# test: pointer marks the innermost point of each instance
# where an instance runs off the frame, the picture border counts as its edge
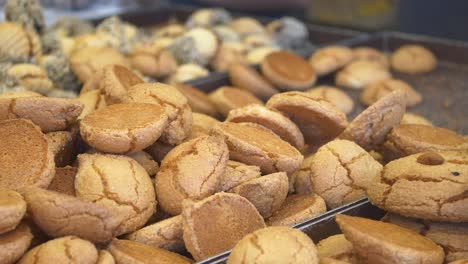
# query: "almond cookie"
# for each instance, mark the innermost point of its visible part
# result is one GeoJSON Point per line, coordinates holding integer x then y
{"type": "Point", "coordinates": [91, 101]}
{"type": "Point", "coordinates": [288, 71]}
{"type": "Point", "coordinates": [24, 162]}
{"type": "Point", "coordinates": [62, 145]}
{"type": "Point", "coordinates": [175, 105]}
{"type": "Point", "coordinates": [16, 45]}
{"type": "Point", "coordinates": [115, 129]}
{"type": "Point", "coordinates": [166, 234]}
{"type": "Point", "coordinates": [153, 61]}
{"type": "Point", "coordinates": [12, 209]}
{"type": "Point", "coordinates": [273, 120]}
{"type": "Point", "coordinates": [62, 215]}
{"type": "Point", "coordinates": [64, 180]}
{"type": "Point", "coordinates": [201, 126]}
{"type": "Point", "coordinates": [198, 100]}
{"type": "Point", "coordinates": [372, 125]}
{"type": "Point", "coordinates": [413, 59]}
{"type": "Point", "coordinates": [338, 248]}
{"type": "Point", "coordinates": [120, 184]}
{"type": "Point", "coordinates": [14, 244]}
{"type": "Point", "coordinates": [146, 161]}
{"type": "Point", "coordinates": [31, 77]}
{"type": "Point", "coordinates": [237, 173]}
{"type": "Point", "coordinates": [379, 242]}
{"type": "Point", "coordinates": [275, 245]}
{"type": "Point", "coordinates": [247, 78]}
{"type": "Point", "coordinates": [335, 96]}
{"type": "Point", "coordinates": [359, 74]}
{"type": "Point", "coordinates": [266, 193]}
{"type": "Point", "coordinates": [330, 59]}
{"type": "Point", "coordinates": [115, 82]}
{"type": "Point", "coordinates": [215, 224]}
{"type": "Point", "coordinates": [226, 98]}
{"type": "Point", "coordinates": [340, 172]}
{"type": "Point", "coordinates": [296, 209]}
{"type": "Point", "coordinates": [374, 91]}
{"type": "Point", "coordinates": [372, 55]}
{"type": "Point", "coordinates": [50, 114]}
{"type": "Point", "coordinates": [105, 257]}
{"type": "Point", "coordinates": [255, 145]}
{"type": "Point", "coordinates": [410, 118]}
{"type": "Point", "coordinates": [191, 170]}
{"type": "Point", "coordinates": [318, 120]}
{"type": "Point", "coordinates": [126, 252]}
{"type": "Point", "coordinates": [428, 185]}
{"type": "Point", "coordinates": [69, 249]}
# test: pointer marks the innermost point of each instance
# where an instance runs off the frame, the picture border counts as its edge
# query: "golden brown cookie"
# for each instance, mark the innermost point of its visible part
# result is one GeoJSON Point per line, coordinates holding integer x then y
{"type": "Point", "coordinates": [14, 244]}
{"type": "Point", "coordinates": [62, 144]}
{"type": "Point", "coordinates": [379, 242]}
{"type": "Point", "coordinates": [318, 120]}
{"type": "Point", "coordinates": [271, 119]}
{"type": "Point", "coordinates": [64, 180]}
{"type": "Point", "coordinates": [175, 105]}
{"type": "Point", "coordinates": [374, 91]}
{"type": "Point", "coordinates": [228, 54]}
{"type": "Point", "coordinates": [246, 25]}
{"type": "Point", "coordinates": [297, 208]}
{"type": "Point", "coordinates": [410, 118]}
{"type": "Point", "coordinates": [115, 129]}
{"type": "Point", "coordinates": [257, 55]}
{"type": "Point", "coordinates": [275, 245]}
{"type": "Point", "coordinates": [247, 78]}
{"type": "Point", "coordinates": [12, 209]}
{"type": "Point", "coordinates": [266, 193]}
{"type": "Point", "coordinates": [16, 45]}
{"type": "Point", "coordinates": [460, 261]}
{"type": "Point", "coordinates": [338, 248]}
{"type": "Point", "coordinates": [335, 96]}
{"type": "Point", "coordinates": [359, 74]}
{"type": "Point", "coordinates": [127, 252]}
{"type": "Point", "coordinates": [91, 101]}
{"type": "Point", "coordinates": [288, 71]}
{"type": "Point", "coordinates": [237, 173]}
{"type": "Point", "coordinates": [31, 77]}
{"type": "Point", "coordinates": [191, 170]}
{"type": "Point", "coordinates": [115, 81]}
{"type": "Point", "coordinates": [226, 98]}
{"type": "Point", "coordinates": [215, 224]}
{"type": "Point", "coordinates": [118, 183]}
{"type": "Point", "coordinates": [372, 55]}
{"type": "Point", "coordinates": [19, 94]}
{"type": "Point", "coordinates": [413, 59]}
{"type": "Point", "coordinates": [427, 185]}
{"type": "Point", "coordinates": [153, 61]}
{"type": "Point", "coordinates": [105, 257]}
{"type": "Point", "coordinates": [372, 125]}
{"type": "Point", "coordinates": [24, 162]}
{"type": "Point", "coordinates": [197, 99]}
{"type": "Point", "coordinates": [166, 234]}
{"type": "Point", "coordinates": [330, 59]}
{"type": "Point", "coordinates": [146, 161]}
{"type": "Point", "coordinates": [201, 126]}
{"type": "Point", "coordinates": [255, 145]}
{"type": "Point", "coordinates": [187, 72]}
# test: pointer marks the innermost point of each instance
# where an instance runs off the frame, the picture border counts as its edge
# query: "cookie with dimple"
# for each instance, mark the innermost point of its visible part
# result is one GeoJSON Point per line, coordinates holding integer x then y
{"type": "Point", "coordinates": [118, 183]}
{"type": "Point", "coordinates": [374, 91]}
{"type": "Point", "coordinates": [25, 155]}
{"type": "Point", "coordinates": [197, 99]}
{"type": "Point", "coordinates": [413, 59]}
{"type": "Point", "coordinates": [115, 129]}
{"type": "Point", "coordinates": [411, 118]}
{"type": "Point", "coordinates": [297, 208]}
{"type": "Point", "coordinates": [379, 242]}
{"type": "Point", "coordinates": [372, 55]}
{"type": "Point", "coordinates": [201, 126]}
{"type": "Point", "coordinates": [191, 170]}
{"type": "Point", "coordinates": [215, 224]}
{"type": "Point", "coordinates": [359, 74]}
{"type": "Point", "coordinates": [330, 59]}
{"type": "Point", "coordinates": [337, 248]}
{"type": "Point", "coordinates": [247, 78]}
{"type": "Point", "coordinates": [273, 120]}
{"type": "Point", "coordinates": [62, 144]}
{"type": "Point", "coordinates": [175, 105]}
{"type": "Point", "coordinates": [275, 245]}
{"type": "Point", "coordinates": [318, 119]}
{"type": "Point", "coordinates": [266, 193]}
{"type": "Point", "coordinates": [166, 234]}
{"type": "Point", "coordinates": [427, 185]}
{"type": "Point", "coordinates": [64, 180]}
{"type": "Point", "coordinates": [12, 209]}
{"type": "Point", "coordinates": [115, 82]}
{"type": "Point", "coordinates": [340, 172]}
{"type": "Point", "coordinates": [335, 96]}
{"type": "Point", "coordinates": [288, 71]}
{"type": "Point", "coordinates": [237, 173]}
{"type": "Point", "coordinates": [256, 145]}
{"type": "Point", "coordinates": [105, 257]}
{"type": "Point", "coordinates": [372, 125]}
{"type": "Point", "coordinates": [14, 244]}
{"type": "Point", "coordinates": [227, 98]}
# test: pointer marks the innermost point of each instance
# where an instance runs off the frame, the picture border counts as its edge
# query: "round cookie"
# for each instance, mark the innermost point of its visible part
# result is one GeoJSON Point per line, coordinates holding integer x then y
{"type": "Point", "coordinates": [413, 59]}
{"type": "Point", "coordinates": [215, 224]}
{"type": "Point", "coordinates": [115, 82]}
{"type": "Point", "coordinates": [105, 257]}
{"type": "Point", "coordinates": [153, 60]}
{"type": "Point", "coordinates": [340, 172]}
{"type": "Point", "coordinates": [275, 245]}
{"type": "Point", "coordinates": [31, 77]}
{"type": "Point", "coordinates": [14, 244]}
{"type": "Point", "coordinates": [379, 242]}
{"type": "Point", "coordinates": [174, 103]}
{"type": "Point", "coordinates": [296, 209]}
{"type": "Point", "coordinates": [266, 193]}
{"type": "Point", "coordinates": [115, 129]}
{"type": "Point", "coordinates": [191, 170]}
{"type": "Point", "coordinates": [237, 173]}
{"type": "Point", "coordinates": [227, 98]}
{"type": "Point", "coordinates": [359, 74]}
{"type": "Point", "coordinates": [427, 185]}
{"type": "Point", "coordinates": [255, 145]}
{"type": "Point", "coordinates": [337, 248]}
{"type": "Point", "coordinates": [247, 78]}
{"type": "Point", "coordinates": [318, 120]}
{"type": "Point", "coordinates": [273, 120]}
{"type": "Point", "coordinates": [374, 91]}
{"type": "Point", "coordinates": [335, 96]}
{"type": "Point", "coordinates": [410, 118]}
{"type": "Point", "coordinates": [91, 101]}
{"type": "Point", "coordinates": [12, 209]}
{"type": "Point", "coordinates": [330, 59]}
{"type": "Point", "coordinates": [372, 55]}
{"type": "Point", "coordinates": [198, 100]}
{"type": "Point", "coordinates": [246, 26]}
{"type": "Point", "coordinates": [146, 161]}
{"type": "Point", "coordinates": [197, 45]}
{"type": "Point", "coordinates": [372, 125]}
{"type": "Point", "coordinates": [187, 72]}
{"type": "Point", "coordinates": [201, 126]}
{"type": "Point", "coordinates": [288, 71]}
{"type": "Point", "coordinates": [15, 150]}
{"type": "Point", "coordinates": [120, 184]}
{"type": "Point", "coordinates": [257, 55]}
{"type": "Point", "coordinates": [229, 53]}
{"type": "Point", "coordinates": [166, 234]}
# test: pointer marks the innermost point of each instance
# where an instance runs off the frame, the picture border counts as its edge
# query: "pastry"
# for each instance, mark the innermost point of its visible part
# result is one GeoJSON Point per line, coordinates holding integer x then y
{"type": "Point", "coordinates": [226, 98]}
{"type": "Point", "coordinates": [372, 55]}
{"type": "Point", "coordinates": [359, 74]}
{"type": "Point", "coordinates": [153, 61]}
{"type": "Point", "coordinates": [64, 180]}
{"type": "Point", "coordinates": [31, 77]}
{"type": "Point", "coordinates": [187, 72]}
{"type": "Point", "coordinates": [12, 209]}
{"type": "Point", "coordinates": [335, 96]}
{"type": "Point", "coordinates": [62, 144]}
{"type": "Point", "coordinates": [330, 59]}
{"type": "Point", "coordinates": [198, 100]}
{"type": "Point", "coordinates": [374, 91]}
{"type": "Point", "coordinates": [227, 55]}
{"type": "Point", "coordinates": [296, 209]}
{"type": "Point", "coordinates": [246, 78]}
{"type": "Point", "coordinates": [288, 71]}
{"type": "Point", "coordinates": [337, 248]}
{"type": "Point", "coordinates": [201, 126]}
{"type": "Point", "coordinates": [413, 59]}
{"type": "Point", "coordinates": [191, 170]}
{"type": "Point", "coordinates": [115, 129]}
{"type": "Point", "coordinates": [16, 45]}
{"type": "Point", "coordinates": [15, 243]}
{"type": "Point", "coordinates": [257, 55]}
{"type": "Point", "coordinates": [215, 224]}
{"type": "Point", "coordinates": [105, 257]}
{"type": "Point", "coordinates": [91, 101]}
{"type": "Point", "coordinates": [146, 161]}
{"type": "Point", "coordinates": [288, 32]}
{"type": "Point", "coordinates": [198, 45]}
{"type": "Point", "coordinates": [115, 81]}
{"type": "Point", "coordinates": [246, 26]}
{"type": "Point", "coordinates": [237, 173]}
{"type": "Point", "coordinates": [208, 17]}
{"type": "Point", "coordinates": [411, 118]}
